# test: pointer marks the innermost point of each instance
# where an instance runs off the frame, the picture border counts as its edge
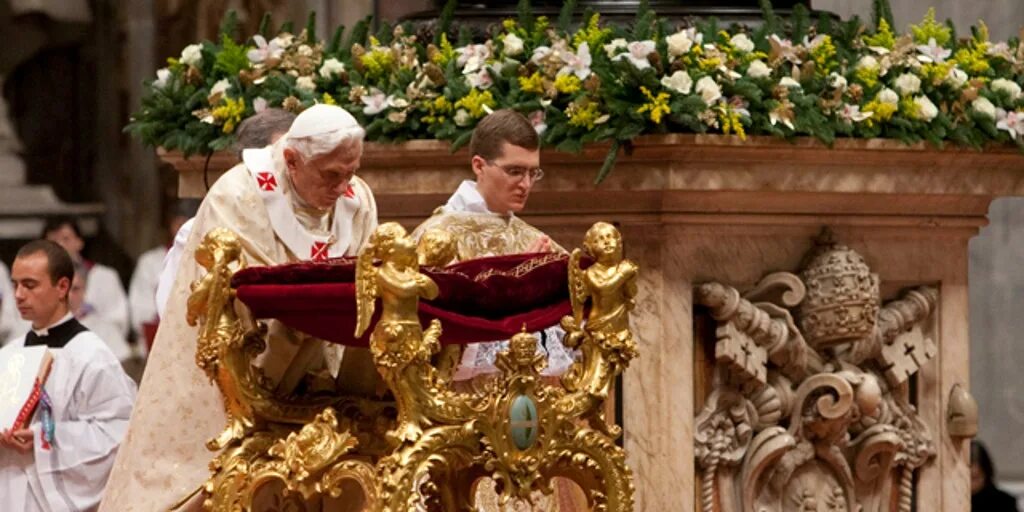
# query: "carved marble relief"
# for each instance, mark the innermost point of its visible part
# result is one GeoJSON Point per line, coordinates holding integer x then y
{"type": "Point", "coordinates": [809, 408]}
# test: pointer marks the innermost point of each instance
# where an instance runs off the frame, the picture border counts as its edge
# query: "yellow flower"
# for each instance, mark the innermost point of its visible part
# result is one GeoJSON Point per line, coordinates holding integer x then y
{"type": "Point", "coordinates": [936, 72]}
{"type": "Point", "coordinates": [445, 53]}
{"type": "Point", "coordinates": [973, 59]}
{"type": "Point", "coordinates": [378, 62]}
{"type": "Point", "coordinates": [710, 64]}
{"type": "Point", "coordinates": [883, 37]}
{"type": "Point", "coordinates": [867, 76]}
{"type": "Point", "coordinates": [327, 99]}
{"type": "Point", "coordinates": [567, 84]}
{"type": "Point", "coordinates": [229, 113]}
{"type": "Point", "coordinates": [880, 111]}
{"type": "Point", "coordinates": [824, 56]}
{"type": "Point", "coordinates": [731, 121]}
{"type": "Point", "coordinates": [592, 34]}
{"type": "Point", "coordinates": [656, 106]}
{"type": "Point", "coordinates": [587, 115]}
{"type": "Point", "coordinates": [533, 83]}
{"type": "Point", "coordinates": [931, 29]}
{"type": "Point", "coordinates": [438, 110]}
{"type": "Point", "coordinates": [476, 102]}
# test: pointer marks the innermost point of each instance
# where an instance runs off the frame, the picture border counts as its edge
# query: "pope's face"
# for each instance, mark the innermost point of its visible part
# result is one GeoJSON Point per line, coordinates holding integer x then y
{"type": "Point", "coordinates": [321, 181]}
{"type": "Point", "coordinates": [503, 192]}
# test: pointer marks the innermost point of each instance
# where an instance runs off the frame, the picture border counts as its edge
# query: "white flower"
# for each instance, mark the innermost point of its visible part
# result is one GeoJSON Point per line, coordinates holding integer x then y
{"type": "Point", "coordinates": [867, 62]}
{"type": "Point", "coordinates": [926, 110]}
{"type": "Point", "coordinates": [613, 47]}
{"type": "Point", "coordinates": [513, 45]}
{"type": "Point", "coordinates": [537, 118]}
{"type": "Point", "coordinates": [709, 91]}
{"type": "Point", "coordinates": [784, 48]}
{"type": "Point", "coordinates": [932, 52]}
{"type": "Point", "coordinates": [814, 43]}
{"type": "Point", "coordinates": [742, 43]}
{"type": "Point", "coordinates": [680, 82]}
{"type": "Point", "coordinates": [162, 76]}
{"type": "Point", "coordinates": [577, 63]}
{"type": "Point", "coordinates": [908, 84]}
{"type": "Point", "coordinates": [480, 79]}
{"type": "Point", "coordinates": [837, 81]}
{"type": "Point", "coordinates": [462, 117]}
{"type": "Point", "coordinates": [984, 107]}
{"type": "Point", "coordinates": [284, 40]}
{"type": "Point", "coordinates": [220, 87]}
{"type": "Point", "coordinates": [852, 113]}
{"type": "Point", "coordinates": [1012, 122]}
{"type": "Point", "coordinates": [332, 67]}
{"type": "Point", "coordinates": [758, 69]}
{"type": "Point", "coordinates": [637, 54]}
{"type": "Point", "coordinates": [1008, 86]}
{"type": "Point", "coordinates": [397, 102]}
{"type": "Point", "coordinates": [472, 57]}
{"type": "Point", "coordinates": [259, 104]}
{"type": "Point", "coordinates": [790, 83]}
{"type": "Point", "coordinates": [305, 83]}
{"type": "Point", "coordinates": [888, 96]}
{"type": "Point", "coordinates": [192, 55]}
{"type": "Point", "coordinates": [999, 48]}
{"type": "Point", "coordinates": [305, 50]}
{"type": "Point", "coordinates": [375, 102]}
{"type": "Point", "coordinates": [264, 50]}
{"type": "Point", "coordinates": [956, 77]}
{"type": "Point", "coordinates": [679, 43]}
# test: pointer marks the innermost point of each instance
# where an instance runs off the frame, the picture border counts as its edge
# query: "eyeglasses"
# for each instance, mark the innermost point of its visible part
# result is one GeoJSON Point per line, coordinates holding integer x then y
{"type": "Point", "coordinates": [518, 173]}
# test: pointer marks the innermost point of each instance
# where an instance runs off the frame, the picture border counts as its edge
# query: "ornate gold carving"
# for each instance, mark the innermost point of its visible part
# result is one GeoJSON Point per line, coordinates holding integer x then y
{"type": "Point", "coordinates": [428, 448]}
{"type": "Point", "coordinates": [821, 425]}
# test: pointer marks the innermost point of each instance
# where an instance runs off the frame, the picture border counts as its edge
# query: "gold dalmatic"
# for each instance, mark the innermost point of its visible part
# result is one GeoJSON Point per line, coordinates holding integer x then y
{"type": "Point", "coordinates": [427, 448]}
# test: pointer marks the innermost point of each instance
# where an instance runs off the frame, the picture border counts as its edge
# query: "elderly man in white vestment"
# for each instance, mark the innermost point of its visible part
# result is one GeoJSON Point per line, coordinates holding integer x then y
{"type": "Point", "coordinates": [88, 397]}
{"type": "Point", "coordinates": [295, 200]}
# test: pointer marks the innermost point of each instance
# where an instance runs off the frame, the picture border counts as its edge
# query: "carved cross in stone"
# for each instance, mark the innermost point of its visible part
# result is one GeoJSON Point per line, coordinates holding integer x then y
{"type": "Point", "coordinates": [746, 360]}
{"type": "Point", "coordinates": [906, 355]}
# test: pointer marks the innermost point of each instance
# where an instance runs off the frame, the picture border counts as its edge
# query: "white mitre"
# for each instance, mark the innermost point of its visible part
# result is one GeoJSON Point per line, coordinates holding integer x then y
{"type": "Point", "coordinates": [321, 119]}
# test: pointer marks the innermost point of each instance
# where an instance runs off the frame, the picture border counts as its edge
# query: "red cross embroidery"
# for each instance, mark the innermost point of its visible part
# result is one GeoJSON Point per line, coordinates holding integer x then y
{"type": "Point", "coordinates": [266, 181]}
{"type": "Point", "coordinates": [350, 192]}
{"type": "Point", "coordinates": [318, 252]}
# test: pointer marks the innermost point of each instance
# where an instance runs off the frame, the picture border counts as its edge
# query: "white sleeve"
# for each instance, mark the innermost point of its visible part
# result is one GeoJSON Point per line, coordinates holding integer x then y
{"type": "Point", "coordinates": [142, 289]}
{"type": "Point", "coordinates": [74, 471]}
{"type": "Point", "coordinates": [171, 262]}
{"type": "Point", "coordinates": [11, 323]}
{"type": "Point", "coordinates": [104, 293]}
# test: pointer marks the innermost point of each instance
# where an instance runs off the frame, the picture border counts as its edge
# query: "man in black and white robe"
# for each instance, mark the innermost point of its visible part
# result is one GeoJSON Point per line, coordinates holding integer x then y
{"type": "Point", "coordinates": [90, 397]}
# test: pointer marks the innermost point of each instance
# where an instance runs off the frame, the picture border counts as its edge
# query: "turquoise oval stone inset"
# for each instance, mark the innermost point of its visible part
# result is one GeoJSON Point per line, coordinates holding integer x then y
{"type": "Point", "coordinates": [523, 421]}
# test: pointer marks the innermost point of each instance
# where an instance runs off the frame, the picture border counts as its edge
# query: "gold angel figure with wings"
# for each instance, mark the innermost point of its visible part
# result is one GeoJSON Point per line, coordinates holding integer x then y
{"type": "Point", "coordinates": [609, 284]}
{"type": "Point", "coordinates": [400, 347]}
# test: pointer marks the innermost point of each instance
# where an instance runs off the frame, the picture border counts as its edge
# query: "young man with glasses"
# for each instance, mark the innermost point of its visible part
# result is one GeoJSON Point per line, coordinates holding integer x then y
{"type": "Point", "coordinates": [481, 217]}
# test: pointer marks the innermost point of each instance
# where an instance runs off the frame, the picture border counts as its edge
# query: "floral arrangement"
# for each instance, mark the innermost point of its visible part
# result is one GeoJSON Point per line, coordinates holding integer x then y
{"type": "Point", "coordinates": [596, 82]}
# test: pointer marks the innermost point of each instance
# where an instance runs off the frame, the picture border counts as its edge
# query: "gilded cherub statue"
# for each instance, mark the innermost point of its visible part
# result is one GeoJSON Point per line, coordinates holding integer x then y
{"type": "Point", "coordinates": [610, 284]}
{"type": "Point", "coordinates": [436, 248]}
{"type": "Point", "coordinates": [212, 295]}
{"type": "Point", "coordinates": [399, 344]}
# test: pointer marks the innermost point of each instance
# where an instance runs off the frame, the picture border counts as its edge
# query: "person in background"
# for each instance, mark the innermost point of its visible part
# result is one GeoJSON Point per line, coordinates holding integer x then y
{"type": "Point", "coordinates": [258, 131]}
{"type": "Point", "coordinates": [11, 324]}
{"type": "Point", "coordinates": [89, 397]}
{"type": "Point", "coordinates": [142, 290]}
{"type": "Point", "coordinates": [985, 496]}
{"type": "Point", "coordinates": [95, 323]}
{"type": "Point", "coordinates": [104, 292]}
